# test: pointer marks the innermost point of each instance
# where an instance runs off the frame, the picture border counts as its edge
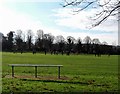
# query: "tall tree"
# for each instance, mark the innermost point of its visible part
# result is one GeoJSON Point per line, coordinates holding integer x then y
{"type": "Point", "coordinates": [95, 46]}
{"type": "Point", "coordinates": [61, 42]}
{"type": "Point", "coordinates": [4, 43]}
{"type": "Point", "coordinates": [59, 39]}
{"type": "Point", "coordinates": [1, 38]}
{"type": "Point", "coordinates": [48, 40]}
{"type": "Point", "coordinates": [104, 43]}
{"type": "Point", "coordinates": [1, 35]}
{"type": "Point", "coordinates": [40, 34]}
{"type": "Point", "coordinates": [70, 43]}
{"type": "Point", "coordinates": [96, 41]}
{"type": "Point", "coordinates": [87, 41]}
{"type": "Point", "coordinates": [79, 45]}
{"type": "Point", "coordinates": [70, 39]}
{"type": "Point", "coordinates": [39, 40]}
{"type": "Point", "coordinates": [105, 8]}
{"type": "Point", "coordinates": [19, 40]}
{"type": "Point", "coordinates": [29, 39]}
{"type": "Point", "coordinates": [10, 41]}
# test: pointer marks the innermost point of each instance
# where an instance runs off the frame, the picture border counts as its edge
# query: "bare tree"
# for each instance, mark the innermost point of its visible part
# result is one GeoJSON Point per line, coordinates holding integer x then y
{"type": "Point", "coordinates": [59, 39]}
{"type": "Point", "coordinates": [96, 41]}
{"type": "Point", "coordinates": [47, 41]}
{"type": "Point", "coordinates": [10, 40]}
{"type": "Point", "coordinates": [19, 33]}
{"type": "Point", "coordinates": [104, 43]}
{"type": "Point", "coordinates": [49, 37]}
{"type": "Point", "coordinates": [1, 38]}
{"type": "Point", "coordinates": [39, 39]}
{"type": "Point", "coordinates": [19, 40]}
{"type": "Point", "coordinates": [79, 40]}
{"type": "Point", "coordinates": [1, 35]}
{"type": "Point", "coordinates": [105, 8]}
{"type": "Point", "coordinates": [79, 45]}
{"type": "Point", "coordinates": [71, 39]}
{"type": "Point", "coordinates": [87, 40]}
{"type": "Point", "coordinates": [29, 39]}
{"type": "Point", "coordinates": [40, 34]}
{"type": "Point", "coordinates": [70, 43]}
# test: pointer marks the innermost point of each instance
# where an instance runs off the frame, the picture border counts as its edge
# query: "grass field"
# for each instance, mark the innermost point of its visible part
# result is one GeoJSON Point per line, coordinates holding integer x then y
{"type": "Point", "coordinates": [80, 73]}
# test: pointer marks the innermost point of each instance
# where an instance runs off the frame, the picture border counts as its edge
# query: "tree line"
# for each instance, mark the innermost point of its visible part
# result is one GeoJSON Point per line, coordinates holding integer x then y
{"type": "Point", "coordinates": [47, 43]}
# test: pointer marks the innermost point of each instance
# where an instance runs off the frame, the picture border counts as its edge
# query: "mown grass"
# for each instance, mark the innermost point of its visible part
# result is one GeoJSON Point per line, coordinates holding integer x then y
{"type": "Point", "coordinates": [80, 73]}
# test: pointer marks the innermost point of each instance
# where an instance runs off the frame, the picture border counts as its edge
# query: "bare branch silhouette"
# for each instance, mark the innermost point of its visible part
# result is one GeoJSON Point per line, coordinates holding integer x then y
{"type": "Point", "coordinates": [108, 8]}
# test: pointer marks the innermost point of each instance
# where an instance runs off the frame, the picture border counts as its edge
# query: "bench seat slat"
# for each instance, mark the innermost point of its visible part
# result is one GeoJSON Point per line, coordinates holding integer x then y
{"type": "Point", "coordinates": [33, 65]}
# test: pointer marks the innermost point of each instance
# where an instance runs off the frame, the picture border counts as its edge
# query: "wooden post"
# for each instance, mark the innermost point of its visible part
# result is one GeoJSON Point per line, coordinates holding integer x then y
{"type": "Point", "coordinates": [35, 71]}
{"type": "Point", "coordinates": [12, 71]}
{"type": "Point", "coordinates": [58, 72]}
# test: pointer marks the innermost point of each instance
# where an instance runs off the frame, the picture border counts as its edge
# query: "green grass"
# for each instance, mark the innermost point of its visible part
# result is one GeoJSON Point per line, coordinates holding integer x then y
{"type": "Point", "coordinates": [82, 73]}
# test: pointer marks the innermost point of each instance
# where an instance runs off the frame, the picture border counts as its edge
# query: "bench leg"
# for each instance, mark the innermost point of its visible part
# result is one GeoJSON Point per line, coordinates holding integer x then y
{"type": "Point", "coordinates": [58, 72]}
{"type": "Point", "coordinates": [12, 71]}
{"type": "Point", "coordinates": [35, 71]}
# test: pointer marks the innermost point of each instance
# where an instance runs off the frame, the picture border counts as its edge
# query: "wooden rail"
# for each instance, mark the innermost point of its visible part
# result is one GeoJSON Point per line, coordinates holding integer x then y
{"type": "Point", "coordinates": [34, 65]}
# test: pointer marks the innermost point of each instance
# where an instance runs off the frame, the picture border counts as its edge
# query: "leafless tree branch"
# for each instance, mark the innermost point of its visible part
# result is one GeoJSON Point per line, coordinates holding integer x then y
{"type": "Point", "coordinates": [108, 8]}
{"type": "Point", "coordinates": [104, 18]}
{"type": "Point", "coordinates": [85, 7]}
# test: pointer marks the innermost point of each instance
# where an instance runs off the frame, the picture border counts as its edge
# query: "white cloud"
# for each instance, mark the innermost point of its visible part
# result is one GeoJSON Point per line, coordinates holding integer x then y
{"type": "Point", "coordinates": [82, 21]}
{"type": "Point", "coordinates": [67, 19]}
{"type": "Point", "coordinates": [12, 21]}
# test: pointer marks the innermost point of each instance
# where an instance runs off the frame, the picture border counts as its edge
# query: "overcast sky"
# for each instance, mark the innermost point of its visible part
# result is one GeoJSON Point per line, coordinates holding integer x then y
{"type": "Point", "coordinates": [51, 17]}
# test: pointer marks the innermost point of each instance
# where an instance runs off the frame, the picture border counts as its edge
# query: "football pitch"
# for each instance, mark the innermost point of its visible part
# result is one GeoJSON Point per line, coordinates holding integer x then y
{"type": "Point", "coordinates": [80, 73]}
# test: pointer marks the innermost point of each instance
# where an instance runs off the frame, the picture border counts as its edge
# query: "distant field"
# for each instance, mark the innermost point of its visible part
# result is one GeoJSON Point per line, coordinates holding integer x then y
{"type": "Point", "coordinates": [80, 73]}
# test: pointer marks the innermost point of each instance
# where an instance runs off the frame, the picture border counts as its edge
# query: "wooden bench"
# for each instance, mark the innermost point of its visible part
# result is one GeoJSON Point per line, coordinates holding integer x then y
{"type": "Point", "coordinates": [34, 65]}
